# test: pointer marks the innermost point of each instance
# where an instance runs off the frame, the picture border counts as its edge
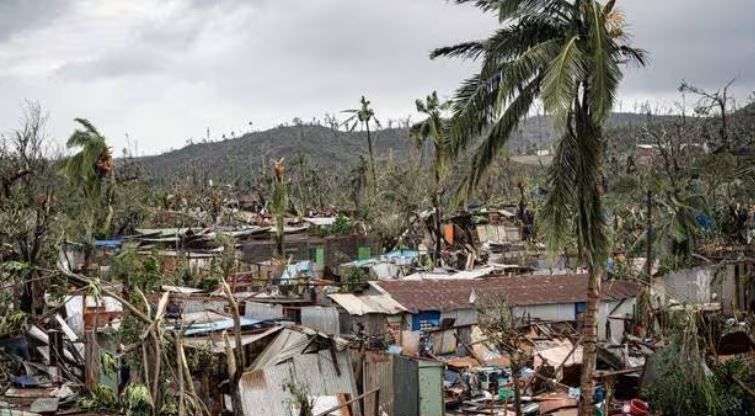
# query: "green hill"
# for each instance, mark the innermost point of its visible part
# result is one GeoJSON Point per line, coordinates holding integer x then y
{"type": "Point", "coordinates": [234, 158]}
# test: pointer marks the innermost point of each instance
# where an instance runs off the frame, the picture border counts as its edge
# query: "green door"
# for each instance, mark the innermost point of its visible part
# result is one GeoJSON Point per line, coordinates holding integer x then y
{"type": "Point", "coordinates": [430, 389]}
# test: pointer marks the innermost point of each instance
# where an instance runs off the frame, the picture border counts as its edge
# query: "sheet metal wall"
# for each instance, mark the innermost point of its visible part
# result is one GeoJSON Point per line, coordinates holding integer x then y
{"type": "Point", "coordinates": [378, 372]}
{"type": "Point", "coordinates": [323, 319]}
{"type": "Point", "coordinates": [262, 393]}
{"type": "Point", "coordinates": [263, 311]}
{"type": "Point", "coordinates": [406, 387]}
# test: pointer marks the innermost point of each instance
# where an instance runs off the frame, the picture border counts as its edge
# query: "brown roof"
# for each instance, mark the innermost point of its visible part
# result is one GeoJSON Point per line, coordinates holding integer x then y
{"type": "Point", "coordinates": [444, 295]}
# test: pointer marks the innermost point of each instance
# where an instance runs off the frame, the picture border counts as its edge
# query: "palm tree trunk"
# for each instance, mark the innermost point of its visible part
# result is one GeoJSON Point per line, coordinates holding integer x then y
{"type": "Point", "coordinates": [589, 342]}
{"type": "Point", "coordinates": [517, 392]}
{"type": "Point", "coordinates": [438, 216]}
{"type": "Point", "coordinates": [372, 159]}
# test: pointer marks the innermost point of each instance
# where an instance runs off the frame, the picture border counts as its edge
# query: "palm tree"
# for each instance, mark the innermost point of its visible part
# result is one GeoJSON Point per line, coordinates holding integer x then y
{"type": "Point", "coordinates": [89, 169]}
{"type": "Point", "coordinates": [434, 130]}
{"type": "Point", "coordinates": [279, 205]}
{"type": "Point", "coordinates": [569, 54]}
{"type": "Point", "coordinates": [364, 115]}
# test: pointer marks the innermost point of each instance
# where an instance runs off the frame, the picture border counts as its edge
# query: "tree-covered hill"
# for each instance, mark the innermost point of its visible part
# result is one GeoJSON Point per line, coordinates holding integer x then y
{"type": "Point", "coordinates": [234, 158]}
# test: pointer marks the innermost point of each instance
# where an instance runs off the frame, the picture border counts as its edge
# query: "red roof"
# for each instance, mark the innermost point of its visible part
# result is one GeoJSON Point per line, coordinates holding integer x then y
{"type": "Point", "coordinates": [445, 295]}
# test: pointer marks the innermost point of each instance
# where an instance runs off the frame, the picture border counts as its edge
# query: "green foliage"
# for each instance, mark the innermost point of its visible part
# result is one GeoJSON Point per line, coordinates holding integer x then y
{"type": "Point", "coordinates": [12, 319]}
{"type": "Point", "coordinates": [299, 400]}
{"type": "Point", "coordinates": [136, 270]}
{"type": "Point", "coordinates": [108, 363]}
{"type": "Point", "coordinates": [685, 386]}
{"type": "Point", "coordinates": [342, 225]}
{"type": "Point", "coordinates": [354, 276]}
{"type": "Point", "coordinates": [99, 399]}
{"type": "Point", "coordinates": [137, 400]}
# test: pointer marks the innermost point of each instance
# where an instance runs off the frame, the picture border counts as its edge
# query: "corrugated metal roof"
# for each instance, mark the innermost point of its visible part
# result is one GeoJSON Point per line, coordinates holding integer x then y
{"type": "Point", "coordinates": [362, 305]}
{"type": "Point", "coordinates": [444, 295]}
{"type": "Point", "coordinates": [208, 321]}
{"type": "Point", "coordinates": [217, 343]}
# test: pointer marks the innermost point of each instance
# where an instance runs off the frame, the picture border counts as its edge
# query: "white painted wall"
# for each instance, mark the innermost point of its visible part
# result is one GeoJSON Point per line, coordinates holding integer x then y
{"type": "Point", "coordinates": [617, 326]}
{"type": "Point", "coordinates": [549, 312]}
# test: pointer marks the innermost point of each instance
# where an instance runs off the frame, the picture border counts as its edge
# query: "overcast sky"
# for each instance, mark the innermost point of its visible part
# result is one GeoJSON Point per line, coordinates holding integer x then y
{"type": "Point", "coordinates": [163, 71]}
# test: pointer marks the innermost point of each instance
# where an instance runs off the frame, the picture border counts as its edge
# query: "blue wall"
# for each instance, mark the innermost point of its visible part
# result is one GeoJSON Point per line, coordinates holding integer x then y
{"type": "Point", "coordinates": [426, 317]}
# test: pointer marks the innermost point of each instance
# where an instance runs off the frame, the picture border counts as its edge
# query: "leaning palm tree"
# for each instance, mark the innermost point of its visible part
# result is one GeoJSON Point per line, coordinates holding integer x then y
{"type": "Point", "coordinates": [434, 130]}
{"type": "Point", "coordinates": [364, 116]}
{"type": "Point", "coordinates": [89, 169]}
{"type": "Point", "coordinates": [569, 54]}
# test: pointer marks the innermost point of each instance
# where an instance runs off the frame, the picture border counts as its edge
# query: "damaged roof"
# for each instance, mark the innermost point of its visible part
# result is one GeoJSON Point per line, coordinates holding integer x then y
{"type": "Point", "coordinates": [362, 305]}
{"type": "Point", "coordinates": [445, 295]}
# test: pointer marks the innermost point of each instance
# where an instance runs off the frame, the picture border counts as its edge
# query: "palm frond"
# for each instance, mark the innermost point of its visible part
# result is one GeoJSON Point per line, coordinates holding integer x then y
{"type": "Point", "coordinates": [479, 101]}
{"type": "Point", "coordinates": [559, 207]}
{"type": "Point", "coordinates": [467, 50]}
{"type": "Point", "coordinates": [497, 136]}
{"type": "Point", "coordinates": [561, 81]}
{"type": "Point", "coordinates": [634, 56]}
{"type": "Point", "coordinates": [605, 74]}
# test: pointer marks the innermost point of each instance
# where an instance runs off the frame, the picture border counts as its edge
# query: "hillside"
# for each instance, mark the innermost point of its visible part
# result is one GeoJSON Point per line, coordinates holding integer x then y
{"type": "Point", "coordinates": [230, 159]}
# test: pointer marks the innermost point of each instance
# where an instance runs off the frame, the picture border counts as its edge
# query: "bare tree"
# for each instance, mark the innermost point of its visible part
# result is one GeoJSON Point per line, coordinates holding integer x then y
{"type": "Point", "coordinates": [501, 329]}
{"type": "Point", "coordinates": [720, 100]}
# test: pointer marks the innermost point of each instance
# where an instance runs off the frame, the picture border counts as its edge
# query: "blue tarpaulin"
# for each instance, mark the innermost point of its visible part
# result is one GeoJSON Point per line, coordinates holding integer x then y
{"type": "Point", "coordinates": [111, 244]}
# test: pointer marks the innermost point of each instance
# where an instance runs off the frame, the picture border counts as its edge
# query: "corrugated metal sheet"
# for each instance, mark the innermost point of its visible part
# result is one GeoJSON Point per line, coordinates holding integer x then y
{"type": "Point", "coordinates": [217, 343]}
{"type": "Point", "coordinates": [263, 311]}
{"type": "Point", "coordinates": [378, 373]}
{"type": "Point", "coordinates": [262, 390]}
{"type": "Point", "coordinates": [208, 321]}
{"type": "Point", "coordinates": [287, 344]}
{"type": "Point", "coordinates": [361, 305]}
{"type": "Point", "coordinates": [323, 319]}
{"type": "Point", "coordinates": [406, 387]}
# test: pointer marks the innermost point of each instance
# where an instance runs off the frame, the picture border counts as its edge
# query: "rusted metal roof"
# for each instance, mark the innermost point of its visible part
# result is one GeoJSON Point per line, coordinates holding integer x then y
{"type": "Point", "coordinates": [362, 305]}
{"type": "Point", "coordinates": [446, 295]}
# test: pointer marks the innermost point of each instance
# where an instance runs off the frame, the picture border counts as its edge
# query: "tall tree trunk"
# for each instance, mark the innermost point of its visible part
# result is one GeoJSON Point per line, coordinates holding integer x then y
{"type": "Point", "coordinates": [589, 341]}
{"type": "Point", "coordinates": [438, 229]}
{"type": "Point", "coordinates": [372, 160]}
{"type": "Point", "coordinates": [517, 392]}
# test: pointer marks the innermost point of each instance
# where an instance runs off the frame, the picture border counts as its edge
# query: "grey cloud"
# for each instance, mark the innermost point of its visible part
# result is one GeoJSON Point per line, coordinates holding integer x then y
{"type": "Point", "coordinates": [705, 42]}
{"type": "Point", "coordinates": [112, 65]}
{"type": "Point", "coordinates": [202, 63]}
{"type": "Point", "coordinates": [18, 16]}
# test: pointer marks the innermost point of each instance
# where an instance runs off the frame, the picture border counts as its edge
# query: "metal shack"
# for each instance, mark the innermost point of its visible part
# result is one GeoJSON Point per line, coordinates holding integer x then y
{"type": "Point", "coordinates": [418, 387]}
{"type": "Point", "coordinates": [318, 364]}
